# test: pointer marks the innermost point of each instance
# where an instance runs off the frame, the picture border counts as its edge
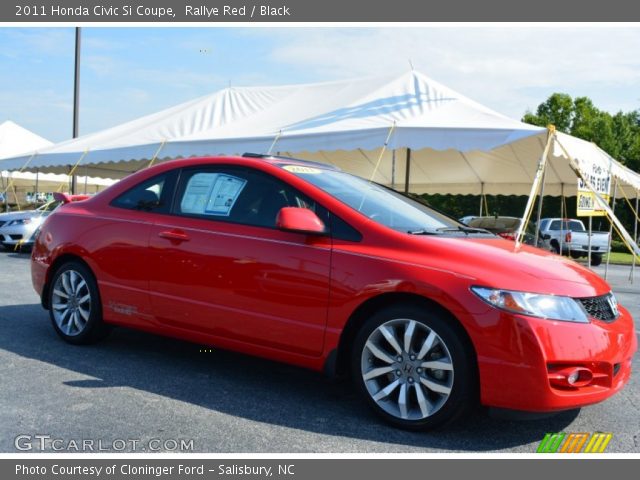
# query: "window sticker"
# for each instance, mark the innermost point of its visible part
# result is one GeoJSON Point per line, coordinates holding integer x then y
{"type": "Point", "coordinates": [224, 194]}
{"type": "Point", "coordinates": [211, 194]}
{"type": "Point", "coordinates": [302, 169]}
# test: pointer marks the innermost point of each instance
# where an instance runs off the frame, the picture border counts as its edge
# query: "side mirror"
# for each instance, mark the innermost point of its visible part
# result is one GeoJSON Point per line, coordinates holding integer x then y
{"type": "Point", "coordinates": [300, 220]}
{"type": "Point", "coordinates": [546, 236]}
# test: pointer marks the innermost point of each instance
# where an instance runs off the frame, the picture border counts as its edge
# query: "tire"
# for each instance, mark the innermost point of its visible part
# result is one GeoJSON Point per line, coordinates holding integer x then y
{"type": "Point", "coordinates": [432, 396]}
{"type": "Point", "coordinates": [596, 259]}
{"type": "Point", "coordinates": [75, 308]}
{"type": "Point", "coordinates": [555, 247]}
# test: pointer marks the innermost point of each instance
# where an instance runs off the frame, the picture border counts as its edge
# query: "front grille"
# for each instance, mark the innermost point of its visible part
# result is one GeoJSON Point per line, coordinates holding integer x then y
{"type": "Point", "coordinates": [599, 307]}
{"type": "Point", "coordinates": [16, 237]}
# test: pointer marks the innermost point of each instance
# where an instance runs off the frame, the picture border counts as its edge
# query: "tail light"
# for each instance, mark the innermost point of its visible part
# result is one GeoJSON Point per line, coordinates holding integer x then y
{"type": "Point", "coordinates": [508, 236]}
{"type": "Point", "coordinates": [567, 237]}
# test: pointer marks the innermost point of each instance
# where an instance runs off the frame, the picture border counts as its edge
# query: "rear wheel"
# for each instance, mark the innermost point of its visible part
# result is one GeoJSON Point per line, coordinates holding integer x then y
{"type": "Point", "coordinates": [74, 305]}
{"type": "Point", "coordinates": [596, 259]}
{"type": "Point", "coordinates": [414, 368]}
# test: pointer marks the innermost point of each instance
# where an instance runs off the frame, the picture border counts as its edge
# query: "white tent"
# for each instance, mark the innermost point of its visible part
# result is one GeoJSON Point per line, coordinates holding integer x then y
{"type": "Point", "coordinates": [15, 140]}
{"type": "Point", "coordinates": [449, 143]}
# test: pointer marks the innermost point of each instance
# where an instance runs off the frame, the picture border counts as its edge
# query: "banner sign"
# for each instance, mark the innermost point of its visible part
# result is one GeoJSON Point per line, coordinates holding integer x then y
{"type": "Point", "coordinates": [600, 178]}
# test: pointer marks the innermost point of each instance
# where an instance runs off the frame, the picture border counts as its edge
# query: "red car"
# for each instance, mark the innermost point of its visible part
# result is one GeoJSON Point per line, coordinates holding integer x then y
{"type": "Point", "coordinates": [303, 263]}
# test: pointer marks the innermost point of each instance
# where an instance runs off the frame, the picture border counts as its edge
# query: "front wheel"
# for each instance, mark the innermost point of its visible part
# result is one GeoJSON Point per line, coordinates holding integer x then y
{"type": "Point", "coordinates": [414, 368]}
{"type": "Point", "coordinates": [74, 305]}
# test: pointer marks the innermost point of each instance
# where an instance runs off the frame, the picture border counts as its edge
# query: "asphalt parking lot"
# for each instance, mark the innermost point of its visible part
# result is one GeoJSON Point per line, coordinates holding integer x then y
{"type": "Point", "coordinates": [144, 391]}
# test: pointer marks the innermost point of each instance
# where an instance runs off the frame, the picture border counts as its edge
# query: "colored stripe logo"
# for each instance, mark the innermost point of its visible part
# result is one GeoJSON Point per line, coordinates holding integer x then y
{"type": "Point", "coordinates": [574, 442]}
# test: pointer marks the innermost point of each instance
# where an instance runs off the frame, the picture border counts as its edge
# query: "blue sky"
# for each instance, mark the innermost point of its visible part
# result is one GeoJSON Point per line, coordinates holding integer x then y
{"type": "Point", "coordinates": [130, 72]}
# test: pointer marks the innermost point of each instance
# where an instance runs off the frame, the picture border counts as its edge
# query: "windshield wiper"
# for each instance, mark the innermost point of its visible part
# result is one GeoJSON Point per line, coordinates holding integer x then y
{"type": "Point", "coordinates": [422, 231]}
{"type": "Point", "coordinates": [466, 230]}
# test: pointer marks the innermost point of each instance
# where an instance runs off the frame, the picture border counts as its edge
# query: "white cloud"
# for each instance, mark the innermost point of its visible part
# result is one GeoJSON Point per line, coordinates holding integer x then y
{"type": "Point", "coordinates": [507, 68]}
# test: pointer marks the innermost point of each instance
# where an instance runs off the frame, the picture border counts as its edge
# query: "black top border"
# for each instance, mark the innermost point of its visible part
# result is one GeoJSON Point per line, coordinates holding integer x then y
{"type": "Point", "coordinates": [228, 11]}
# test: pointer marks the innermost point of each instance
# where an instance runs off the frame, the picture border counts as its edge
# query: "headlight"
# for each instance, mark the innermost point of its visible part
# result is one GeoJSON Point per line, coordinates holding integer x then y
{"type": "Point", "coordinates": [534, 304]}
{"type": "Point", "coordinates": [22, 221]}
{"type": "Point", "coordinates": [613, 302]}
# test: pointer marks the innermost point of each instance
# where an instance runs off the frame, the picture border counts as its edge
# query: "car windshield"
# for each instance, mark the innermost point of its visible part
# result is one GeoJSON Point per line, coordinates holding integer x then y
{"type": "Point", "coordinates": [380, 204]}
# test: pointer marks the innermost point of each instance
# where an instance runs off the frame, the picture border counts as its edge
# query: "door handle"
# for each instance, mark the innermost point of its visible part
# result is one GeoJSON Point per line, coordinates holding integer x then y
{"type": "Point", "coordinates": [174, 235]}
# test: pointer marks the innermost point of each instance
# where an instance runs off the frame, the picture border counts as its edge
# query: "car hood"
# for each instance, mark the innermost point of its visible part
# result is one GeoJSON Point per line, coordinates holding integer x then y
{"type": "Point", "coordinates": [7, 217]}
{"type": "Point", "coordinates": [495, 262]}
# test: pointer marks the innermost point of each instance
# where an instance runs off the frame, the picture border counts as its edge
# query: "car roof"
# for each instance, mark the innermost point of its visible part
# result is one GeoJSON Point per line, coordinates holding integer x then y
{"type": "Point", "coordinates": [283, 160]}
{"type": "Point", "coordinates": [245, 159]}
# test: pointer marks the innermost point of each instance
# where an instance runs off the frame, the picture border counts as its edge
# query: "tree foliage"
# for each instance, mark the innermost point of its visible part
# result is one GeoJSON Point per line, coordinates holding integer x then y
{"type": "Point", "coordinates": [618, 135]}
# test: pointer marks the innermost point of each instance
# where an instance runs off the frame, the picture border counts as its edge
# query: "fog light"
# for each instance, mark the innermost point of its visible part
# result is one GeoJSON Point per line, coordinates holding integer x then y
{"type": "Point", "coordinates": [570, 377]}
{"type": "Point", "coordinates": [573, 377]}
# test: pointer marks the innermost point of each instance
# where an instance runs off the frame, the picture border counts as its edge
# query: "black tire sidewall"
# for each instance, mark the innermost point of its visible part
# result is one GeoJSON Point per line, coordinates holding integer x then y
{"type": "Point", "coordinates": [95, 328]}
{"type": "Point", "coordinates": [463, 396]}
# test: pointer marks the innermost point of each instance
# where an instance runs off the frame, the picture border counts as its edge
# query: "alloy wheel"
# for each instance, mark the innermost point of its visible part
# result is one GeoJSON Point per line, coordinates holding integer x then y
{"type": "Point", "coordinates": [71, 302]}
{"type": "Point", "coordinates": [407, 369]}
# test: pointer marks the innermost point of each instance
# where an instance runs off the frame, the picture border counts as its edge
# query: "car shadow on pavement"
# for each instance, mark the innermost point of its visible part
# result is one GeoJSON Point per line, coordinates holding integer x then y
{"type": "Point", "coordinates": [246, 387]}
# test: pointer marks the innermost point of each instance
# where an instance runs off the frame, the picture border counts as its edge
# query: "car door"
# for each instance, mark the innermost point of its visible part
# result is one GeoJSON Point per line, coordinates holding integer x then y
{"type": "Point", "coordinates": [223, 268]}
{"type": "Point", "coordinates": [119, 246]}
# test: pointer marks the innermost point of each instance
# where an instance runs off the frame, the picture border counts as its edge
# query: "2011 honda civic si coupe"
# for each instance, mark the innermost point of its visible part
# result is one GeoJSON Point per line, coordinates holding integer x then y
{"type": "Point", "coordinates": [302, 263]}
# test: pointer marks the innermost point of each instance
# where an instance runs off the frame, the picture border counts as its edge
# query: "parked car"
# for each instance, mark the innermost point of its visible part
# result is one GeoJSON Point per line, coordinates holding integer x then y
{"type": "Point", "coordinates": [17, 228]}
{"type": "Point", "coordinates": [302, 263]}
{"type": "Point", "coordinates": [574, 238]}
{"type": "Point", "coordinates": [467, 219]}
{"type": "Point", "coordinates": [507, 227]}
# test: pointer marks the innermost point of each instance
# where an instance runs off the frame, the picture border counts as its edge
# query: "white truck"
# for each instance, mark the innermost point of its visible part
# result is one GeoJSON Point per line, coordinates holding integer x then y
{"type": "Point", "coordinates": [569, 236]}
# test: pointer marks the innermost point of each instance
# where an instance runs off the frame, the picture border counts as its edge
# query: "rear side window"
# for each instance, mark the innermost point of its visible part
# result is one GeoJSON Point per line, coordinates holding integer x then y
{"type": "Point", "coordinates": [152, 195]}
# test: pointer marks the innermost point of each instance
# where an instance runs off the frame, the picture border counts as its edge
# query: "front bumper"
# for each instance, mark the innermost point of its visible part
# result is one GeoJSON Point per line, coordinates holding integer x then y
{"type": "Point", "coordinates": [19, 234]}
{"type": "Point", "coordinates": [519, 377]}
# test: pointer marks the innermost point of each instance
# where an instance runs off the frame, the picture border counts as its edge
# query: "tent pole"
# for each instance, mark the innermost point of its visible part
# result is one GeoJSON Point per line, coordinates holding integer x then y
{"type": "Point", "coordinates": [393, 168]}
{"type": "Point", "coordinates": [76, 97]}
{"type": "Point", "coordinates": [613, 209]}
{"type": "Point", "coordinates": [562, 214]}
{"type": "Point", "coordinates": [542, 163]}
{"type": "Point", "coordinates": [5, 192]}
{"type": "Point", "coordinates": [540, 199]}
{"type": "Point", "coordinates": [635, 237]}
{"type": "Point", "coordinates": [74, 181]}
{"type": "Point", "coordinates": [481, 197]}
{"type": "Point", "coordinates": [37, 174]}
{"type": "Point", "coordinates": [407, 172]}
{"type": "Point", "coordinates": [589, 242]}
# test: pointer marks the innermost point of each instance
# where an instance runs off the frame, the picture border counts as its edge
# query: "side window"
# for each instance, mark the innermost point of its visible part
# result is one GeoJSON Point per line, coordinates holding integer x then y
{"type": "Point", "coordinates": [153, 195]}
{"type": "Point", "coordinates": [341, 230]}
{"type": "Point", "coordinates": [555, 225]}
{"type": "Point", "coordinates": [236, 195]}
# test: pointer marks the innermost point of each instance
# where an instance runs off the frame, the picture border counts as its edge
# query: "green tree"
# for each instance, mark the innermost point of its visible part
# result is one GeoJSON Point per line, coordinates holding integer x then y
{"type": "Point", "coordinates": [618, 135]}
{"type": "Point", "coordinates": [558, 110]}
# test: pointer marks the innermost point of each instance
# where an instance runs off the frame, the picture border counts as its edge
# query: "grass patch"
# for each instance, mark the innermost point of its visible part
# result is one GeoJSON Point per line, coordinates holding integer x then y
{"type": "Point", "coordinates": [619, 258]}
